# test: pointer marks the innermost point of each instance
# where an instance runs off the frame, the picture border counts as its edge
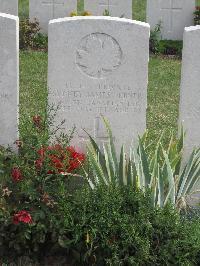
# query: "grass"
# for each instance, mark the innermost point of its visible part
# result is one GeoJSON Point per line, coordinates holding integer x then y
{"type": "Point", "coordinates": [163, 96]}
{"type": "Point", "coordinates": [33, 86]}
{"type": "Point", "coordinates": [163, 89]}
{"type": "Point", "coordinates": [23, 8]}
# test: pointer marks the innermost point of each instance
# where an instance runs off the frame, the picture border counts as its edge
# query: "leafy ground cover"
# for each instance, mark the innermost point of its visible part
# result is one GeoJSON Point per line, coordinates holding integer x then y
{"type": "Point", "coordinates": [46, 219]}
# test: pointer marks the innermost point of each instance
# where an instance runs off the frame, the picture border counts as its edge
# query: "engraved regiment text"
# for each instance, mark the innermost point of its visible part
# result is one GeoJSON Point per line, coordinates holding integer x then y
{"type": "Point", "coordinates": [104, 98]}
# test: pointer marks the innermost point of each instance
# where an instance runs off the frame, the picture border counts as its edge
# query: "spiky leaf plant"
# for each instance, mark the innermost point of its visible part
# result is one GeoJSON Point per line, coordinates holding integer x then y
{"type": "Point", "coordinates": [158, 170]}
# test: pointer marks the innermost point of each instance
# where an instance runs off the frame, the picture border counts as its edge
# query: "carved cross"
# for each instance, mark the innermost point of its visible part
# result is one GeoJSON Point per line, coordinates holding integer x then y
{"type": "Point", "coordinates": [53, 4]}
{"type": "Point", "coordinates": [98, 133]}
{"type": "Point", "coordinates": [171, 9]}
{"type": "Point", "coordinates": [104, 3]}
{"type": "Point", "coordinates": [107, 4]}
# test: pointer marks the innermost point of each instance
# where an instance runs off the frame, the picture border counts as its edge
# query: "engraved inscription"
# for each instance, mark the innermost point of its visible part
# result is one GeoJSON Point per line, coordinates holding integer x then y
{"type": "Point", "coordinates": [100, 99]}
{"type": "Point", "coordinates": [98, 55]}
{"type": "Point", "coordinates": [4, 96]}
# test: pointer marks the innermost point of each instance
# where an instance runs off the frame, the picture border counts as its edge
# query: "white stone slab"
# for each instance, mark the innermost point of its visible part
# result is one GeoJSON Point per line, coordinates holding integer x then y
{"type": "Point", "coordinates": [9, 78]}
{"type": "Point", "coordinates": [174, 15]}
{"type": "Point", "coordinates": [116, 8]}
{"type": "Point", "coordinates": [45, 10]}
{"type": "Point", "coordinates": [99, 66]}
{"type": "Point", "coordinates": [9, 7]}
{"type": "Point", "coordinates": [190, 89]}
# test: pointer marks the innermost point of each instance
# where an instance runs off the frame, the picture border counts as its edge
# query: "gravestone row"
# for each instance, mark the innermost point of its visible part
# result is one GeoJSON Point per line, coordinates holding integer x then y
{"type": "Point", "coordinates": [115, 8]}
{"type": "Point", "coordinates": [45, 10]}
{"type": "Point", "coordinates": [172, 15]}
{"type": "Point", "coordinates": [104, 72]}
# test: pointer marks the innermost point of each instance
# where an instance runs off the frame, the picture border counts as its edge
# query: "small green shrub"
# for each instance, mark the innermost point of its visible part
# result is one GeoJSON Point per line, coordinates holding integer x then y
{"type": "Point", "coordinates": [41, 42]}
{"type": "Point", "coordinates": [155, 36]}
{"type": "Point", "coordinates": [164, 47]}
{"type": "Point", "coordinates": [44, 212]}
{"type": "Point", "coordinates": [168, 47]}
{"type": "Point", "coordinates": [28, 32]}
{"type": "Point", "coordinates": [118, 226]}
{"type": "Point", "coordinates": [106, 12]}
{"type": "Point", "coordinates": [29, 37]}
{"type": "Point", "coordinates": [31, 182]}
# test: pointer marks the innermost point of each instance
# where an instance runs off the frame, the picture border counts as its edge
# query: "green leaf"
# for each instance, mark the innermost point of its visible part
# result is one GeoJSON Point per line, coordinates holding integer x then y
{"type": "Point", "coordinates": [170, 177]}
{"type": "Point", "coordinates": [112, 146]}
{"type": "Point", "coordinates": [94, 162]}
{"type": "Point", "coordinates": [144, 165]}
{"type": "Point", "coordinates": [160, 188]}
{"type": "Point", "coordinates": [122, 168]}
{"type": "Point", "coordinates": [98, 151]}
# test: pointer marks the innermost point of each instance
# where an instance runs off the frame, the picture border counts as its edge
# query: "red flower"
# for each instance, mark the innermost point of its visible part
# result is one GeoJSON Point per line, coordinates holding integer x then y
{"type": "Point", "coordinates": [23, 217]}
{"type": "Point", "coordinates": [16, 174]}
{"type": "Point", "coordinates": [38, 164]}
{"type": "Point", "coordinates": [37, 120]}
{"type": "Point", "coordinates": [60, 159]}
{"type": "Point", "coordinates": [41, 152]}
{"type": "Point", "coordinates": [75, 159]}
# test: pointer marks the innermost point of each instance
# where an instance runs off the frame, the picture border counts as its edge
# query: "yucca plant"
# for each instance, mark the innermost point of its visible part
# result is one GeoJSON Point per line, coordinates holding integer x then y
{"type": "Point", "coordinates": [159, 171]}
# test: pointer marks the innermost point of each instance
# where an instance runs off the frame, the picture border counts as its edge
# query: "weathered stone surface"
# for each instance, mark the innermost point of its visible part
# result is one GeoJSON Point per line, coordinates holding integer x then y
{"type": "Point", "coordinates": [116, 8]}
{"type": "Point", "coordinates": [190, 89]}
{"type": "Point", "coordinates": [45, 10]}
{"type": "Point", "coordinates": [174, 15]}
{"type": "Point", "coordinates": [9, 7]}
{"type": "Point", "coordinates": [99, 66]}
{"type": "Point", "coordinates": [9, 78]}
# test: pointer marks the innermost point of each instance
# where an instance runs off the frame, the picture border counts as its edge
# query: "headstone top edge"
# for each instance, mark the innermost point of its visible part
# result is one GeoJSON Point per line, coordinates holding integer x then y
{"type": "Point", "coordinates": [102, 18]}
{"type": "Point", "coordinates": [5, 15]}
{"type": "Point", "coordinates": [192, 28]}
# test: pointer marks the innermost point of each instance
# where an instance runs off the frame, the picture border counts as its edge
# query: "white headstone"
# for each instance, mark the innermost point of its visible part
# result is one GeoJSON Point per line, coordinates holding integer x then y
{"type": "Point", "coordinates": [45, 10]}
{"type": "Point", "coordinates": [174, 15]}
{"type": "Point", "coordinates": [98, 66]}
{"type": "Point", "coordinates": [9, 78]}
{"type": "Point", "coordinates": [116, 8]}
{"type": "Point", "coordinates": [9, 7]}
{"type": "Point", "coordinates": [190, 89]}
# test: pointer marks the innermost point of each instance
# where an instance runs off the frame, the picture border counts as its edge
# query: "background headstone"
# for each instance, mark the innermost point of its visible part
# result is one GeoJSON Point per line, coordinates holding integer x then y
{"type": "Point", "coordinates": [99, 66]}
{"type": "Point", "coordinates": [174, 16]}
{"type": "Point", "coordinates": [45, 10]}
{"type": "Point", "coordinates": [9, 78]}
{"type": "Point", "coordinates": [116, 8]}
{"type": "Point", "coordinates": [190, 89]}
{"type": "Point", "coordinates": [9, 7]}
